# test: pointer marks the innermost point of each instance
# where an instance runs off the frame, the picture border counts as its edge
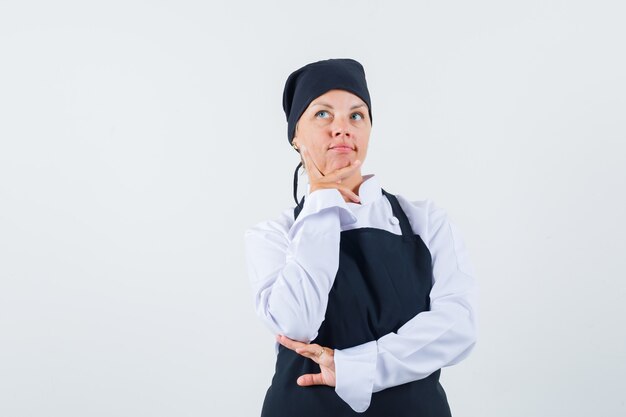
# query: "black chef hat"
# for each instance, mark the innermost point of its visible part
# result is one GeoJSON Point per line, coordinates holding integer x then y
{"type": "Point", "coordinates": [311, 81]}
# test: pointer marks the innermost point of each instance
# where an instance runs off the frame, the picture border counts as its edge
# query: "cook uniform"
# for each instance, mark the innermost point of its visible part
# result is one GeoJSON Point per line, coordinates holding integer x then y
{"type": "Point", "coordinates": [386, 283]}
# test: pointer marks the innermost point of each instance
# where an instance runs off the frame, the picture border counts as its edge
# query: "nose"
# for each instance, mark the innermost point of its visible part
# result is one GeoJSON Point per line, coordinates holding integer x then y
{"type": "Point", "coordinates": [341, 127]}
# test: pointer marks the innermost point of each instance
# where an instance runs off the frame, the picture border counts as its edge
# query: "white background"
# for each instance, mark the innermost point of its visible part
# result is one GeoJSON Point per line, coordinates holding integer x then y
{"type": "Point", "coordinates": [138, 140]}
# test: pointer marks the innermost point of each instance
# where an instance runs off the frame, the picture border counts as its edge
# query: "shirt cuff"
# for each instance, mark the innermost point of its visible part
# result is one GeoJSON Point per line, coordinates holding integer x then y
{"type": "Point", "coordinates": [320, 200]}
{"type": "Point", "coordinates": [355, 369]}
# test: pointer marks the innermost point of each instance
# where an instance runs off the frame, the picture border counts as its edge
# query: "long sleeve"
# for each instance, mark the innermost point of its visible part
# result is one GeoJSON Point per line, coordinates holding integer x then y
{"type": "Point", "coordinates": [292, 267]}
{"type": "Point", "coordinates": [429, 341]}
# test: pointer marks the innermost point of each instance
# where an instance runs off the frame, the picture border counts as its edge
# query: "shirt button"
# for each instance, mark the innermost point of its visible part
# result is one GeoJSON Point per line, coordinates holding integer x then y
{"type": "Point", "coordinates": [394, 220]}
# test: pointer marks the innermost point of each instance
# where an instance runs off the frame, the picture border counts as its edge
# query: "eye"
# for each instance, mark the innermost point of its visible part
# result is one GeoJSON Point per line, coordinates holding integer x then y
{"type": "Point", "coordinates": [322, 114]}
{"type": "Point", "coordinates": [357, 116]}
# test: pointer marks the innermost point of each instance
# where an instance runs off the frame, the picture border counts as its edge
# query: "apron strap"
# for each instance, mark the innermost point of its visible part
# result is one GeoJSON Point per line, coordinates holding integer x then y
{"type": "Point", "coordinates": [405, 225]}
{"type": "Point", "coordinates": [298, 209]}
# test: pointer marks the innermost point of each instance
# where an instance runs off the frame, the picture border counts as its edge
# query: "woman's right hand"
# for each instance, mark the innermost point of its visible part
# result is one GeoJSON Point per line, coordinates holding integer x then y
{"type": "Point", "coordinates": [319, 181]}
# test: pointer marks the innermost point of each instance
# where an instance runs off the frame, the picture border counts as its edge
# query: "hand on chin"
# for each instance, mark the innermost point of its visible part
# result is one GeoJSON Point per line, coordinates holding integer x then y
{"type": "Point", "coordinates": [338, 163]}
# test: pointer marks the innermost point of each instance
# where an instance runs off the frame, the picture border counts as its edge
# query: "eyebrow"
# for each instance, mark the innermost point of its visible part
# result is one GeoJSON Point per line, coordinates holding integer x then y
{"type": "Point", "coordinates": [356, 106]}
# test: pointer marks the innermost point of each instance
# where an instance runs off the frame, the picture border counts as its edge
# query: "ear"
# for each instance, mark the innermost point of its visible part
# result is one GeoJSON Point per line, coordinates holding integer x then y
{"type": "Point", "coordinates": [294, 144]}
{"type": "Point", "coordinates": [294, 141]}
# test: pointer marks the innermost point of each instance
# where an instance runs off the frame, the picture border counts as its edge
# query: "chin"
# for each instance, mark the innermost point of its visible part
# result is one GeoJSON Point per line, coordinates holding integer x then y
{"type": "Point", "coordinates": [339, 163]}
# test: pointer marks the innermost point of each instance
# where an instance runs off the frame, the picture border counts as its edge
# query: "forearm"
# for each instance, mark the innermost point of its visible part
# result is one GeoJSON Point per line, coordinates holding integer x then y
{"type": "Point", "coordinates": [426, 343]}
{"type": "Point", "coordinates": [423, 346]}
{"type": "Point", "coordinates": [293, 300]}
{"type": "Point", "coordinates": [292, 273]}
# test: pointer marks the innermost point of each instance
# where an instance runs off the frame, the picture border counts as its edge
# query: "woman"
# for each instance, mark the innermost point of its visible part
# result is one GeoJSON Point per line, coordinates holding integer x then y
{"type": "Point", "coordinates": [369, 294]}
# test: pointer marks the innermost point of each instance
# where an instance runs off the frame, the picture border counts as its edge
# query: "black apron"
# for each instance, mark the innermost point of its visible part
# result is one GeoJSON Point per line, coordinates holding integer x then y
{"type": "Point", "coordinates": [383, 281]}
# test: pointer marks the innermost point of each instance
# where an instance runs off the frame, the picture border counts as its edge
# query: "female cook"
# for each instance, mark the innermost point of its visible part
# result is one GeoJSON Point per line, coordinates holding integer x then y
{"type": "Point", "coordinates": [368, 293]}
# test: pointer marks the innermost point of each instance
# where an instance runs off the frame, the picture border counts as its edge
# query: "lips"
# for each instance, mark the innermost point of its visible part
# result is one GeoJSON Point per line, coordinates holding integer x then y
{"type": "Point", "coordinates": [341, 148]}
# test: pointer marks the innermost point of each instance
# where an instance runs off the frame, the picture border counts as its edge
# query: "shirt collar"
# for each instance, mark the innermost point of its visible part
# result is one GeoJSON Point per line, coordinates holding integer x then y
{"type": "Point", "coordinates": [369, 190]}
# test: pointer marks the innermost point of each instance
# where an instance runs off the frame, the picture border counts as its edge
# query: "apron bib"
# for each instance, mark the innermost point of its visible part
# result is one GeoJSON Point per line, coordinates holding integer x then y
{"type": "Point", "coordinates": [383, 281]}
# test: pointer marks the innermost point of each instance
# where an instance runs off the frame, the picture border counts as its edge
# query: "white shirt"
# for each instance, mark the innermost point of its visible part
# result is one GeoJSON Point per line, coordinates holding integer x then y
{"type": "Point", "coordinates": [292, 267]}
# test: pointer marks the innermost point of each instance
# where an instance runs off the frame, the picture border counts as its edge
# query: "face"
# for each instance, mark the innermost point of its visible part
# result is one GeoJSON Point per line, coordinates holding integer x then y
{"type": "Point", "coordinates": [335, 129]}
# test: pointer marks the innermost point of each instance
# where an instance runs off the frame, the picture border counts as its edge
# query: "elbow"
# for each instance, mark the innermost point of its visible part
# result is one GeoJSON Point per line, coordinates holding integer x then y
{"type": "Point", "coordinates": [290, 312]}
{"type": "Point", "coordinates": [470, 341]}
{"type": "Point", "coordinates": [461, 313]}
{"type": "Point", "coordinates": [295, 328]}
{"type": "Point", "coordinates": [295, 331]}
{"type": "Point", "coordinates": [466, 347]}
{"type": "Point", "coordinates": [466, 336]}
{"type": "Point", "coordinates": [293, 324]}
{"type": "Point", "coordinates": [472, 333]}
{"type": "Point", "coordinates": [468, 333]}
{"type": "Point", "coordinates": [462, 333]}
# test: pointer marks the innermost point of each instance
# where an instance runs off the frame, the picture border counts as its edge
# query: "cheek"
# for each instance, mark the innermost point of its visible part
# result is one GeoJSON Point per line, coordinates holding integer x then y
{"type": "Point", "coordinates": [319, 154]}
{"type": "Point", "coordinates": [363, 144]}
{"type": "Point", "coordinates": [307, 136]}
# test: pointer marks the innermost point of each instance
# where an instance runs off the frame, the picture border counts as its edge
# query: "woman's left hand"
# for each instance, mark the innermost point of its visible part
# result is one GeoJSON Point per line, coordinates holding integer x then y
{"type": "Point", "coordinates": [323, 356]}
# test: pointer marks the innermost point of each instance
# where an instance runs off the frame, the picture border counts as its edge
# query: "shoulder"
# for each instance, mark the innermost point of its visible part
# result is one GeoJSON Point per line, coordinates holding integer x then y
{"type": "Point", "coordinates": [438, 231]}
{"type": "Point", "coordinates": [425, 216]}
{"type": "Point", "coordinates": [278, 226]}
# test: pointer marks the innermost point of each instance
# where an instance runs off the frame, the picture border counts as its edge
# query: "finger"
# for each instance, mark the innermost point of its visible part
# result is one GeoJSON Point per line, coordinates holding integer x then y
{"type": "Point", "coordinates": [289, 343]}
{"type": "Point", "coordinates": [344, 172]}
{"type": "Point", "coordinates": [313, 353]}
{"type": "Point", "coordinates": [344, 190]}
{"type": "Point", "coordinates": [311, 379]}
{"type": "Point", "coordinates": [349, 193]}
{"type": "Point", "coordinates": [310, 351]}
